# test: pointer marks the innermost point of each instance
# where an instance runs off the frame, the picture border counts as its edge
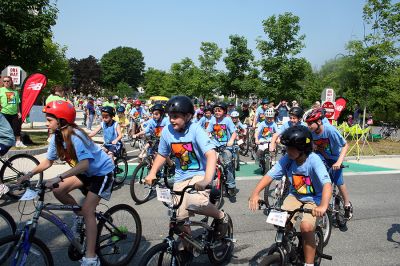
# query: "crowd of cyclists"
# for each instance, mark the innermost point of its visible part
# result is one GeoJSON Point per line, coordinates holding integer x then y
{"type": "Point", "coordinates": [191, 133]}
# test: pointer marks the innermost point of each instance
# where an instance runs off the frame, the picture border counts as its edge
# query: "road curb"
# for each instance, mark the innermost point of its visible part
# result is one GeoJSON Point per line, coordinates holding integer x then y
{"type": "Point", "coordinates": [32, 152]}
{"type": "Point", "coordinates": [372, 157]}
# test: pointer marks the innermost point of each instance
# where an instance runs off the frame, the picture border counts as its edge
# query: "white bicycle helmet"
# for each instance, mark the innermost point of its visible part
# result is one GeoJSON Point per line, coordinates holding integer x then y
{"type": "Point", "coordinates": [269, 112]}
{"type": "Point", "coordinates": [235, 114]}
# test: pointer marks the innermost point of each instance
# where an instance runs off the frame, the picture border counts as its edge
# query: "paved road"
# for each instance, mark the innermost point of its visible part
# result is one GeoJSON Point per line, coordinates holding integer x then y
{"type": "Point", "coordinates": [373, 237]}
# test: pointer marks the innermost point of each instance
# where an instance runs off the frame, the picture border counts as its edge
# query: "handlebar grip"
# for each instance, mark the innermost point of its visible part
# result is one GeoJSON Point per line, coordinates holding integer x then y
{"type": "Point", "coordinates": [324, 256]}
{"type": "Point", "coordinates": [344, 166]}
{"type": "Point", "coordinates": [56, 185]}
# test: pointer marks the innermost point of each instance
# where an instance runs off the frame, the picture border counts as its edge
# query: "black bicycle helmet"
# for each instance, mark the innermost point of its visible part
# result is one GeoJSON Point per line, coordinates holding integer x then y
{"type": "Point", "coordinates": [299, 137]}
{"type": "Point", "coordinates": [296, 111]}
{"type": "Point", "coordinates": [180, 104]}
{"type": "Point", "coordinates": [208, 108]}
{"type": "Point", "coordinates": [265, 101]}
{"type": "Point", "coordinates": [108, 109]}
{"type": "Point", "coordinates": [158, 107]}
{"type": "Point", "coordinates": [222, 105]}
{"type": "Point", "coordinates": [121, 109]}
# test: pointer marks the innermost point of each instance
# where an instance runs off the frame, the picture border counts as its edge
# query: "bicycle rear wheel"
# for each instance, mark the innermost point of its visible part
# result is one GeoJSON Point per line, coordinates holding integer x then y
{"type": "Point", "coordinates": [118, 236]}
{"type": "Point", "coordinates": [339, 208]}
{"type": "Point", "coordinates": [17, 166]}
{"type": "Point", "coordinates": [140, 191]}
{"type": "Point", "coordinates": [120, 171]}
{"type": "Point", "coordinates": [160, 255]}
{"type": "Point", "coordinates": [14, 253]}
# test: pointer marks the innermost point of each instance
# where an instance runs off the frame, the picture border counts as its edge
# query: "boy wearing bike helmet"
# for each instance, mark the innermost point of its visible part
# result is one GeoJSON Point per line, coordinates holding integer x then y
{"type": "Point", "coordinates": [310, 185]}
{"type": "Point", "coordinates": [224, 133]}
{"type": "Point", "coordinates": [265, 131]}
{"type": "Point", "coordinates": [136, 115]}
{"type": "Point", "coordinates": [259, 116]}
{"type": "Point", "coordinates": [295, 116]}
{"type": "Point", "coordinates": [92, 169]}
{"type": "Point", "coordinates": [121, 119]}
{"type": "Point", "coordinates": [111, 132]}
{"type": "Point", "coordinates": [195, 160]}
{"type": "Point", "coordinates": [330, 145]}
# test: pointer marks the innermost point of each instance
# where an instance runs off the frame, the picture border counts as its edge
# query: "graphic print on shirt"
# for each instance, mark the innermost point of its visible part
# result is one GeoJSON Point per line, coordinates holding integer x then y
{"type": "Point", "coordinates": [302, 184]}
{"type": "Point", "coordinates": [206, 124]}
{"type": "Point", "coordinates": [323, 145]}
{"type": "Point", "coordinates": [157, 131]}
{"type": "Point", "coordinates": [186, 155]}
{"type": "Point", "coordinates": [11, 99]}
{"type": "Point", "coordinates": [136, 114]}
{"type": "Point", "coordinates": [220, 133]}
{"type": "Point", "coordinates": [267, 132]}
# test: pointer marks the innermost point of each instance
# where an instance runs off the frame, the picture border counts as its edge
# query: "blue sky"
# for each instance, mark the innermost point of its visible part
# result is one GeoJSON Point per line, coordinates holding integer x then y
{"type": "Point", "coordinates": [166, 31]}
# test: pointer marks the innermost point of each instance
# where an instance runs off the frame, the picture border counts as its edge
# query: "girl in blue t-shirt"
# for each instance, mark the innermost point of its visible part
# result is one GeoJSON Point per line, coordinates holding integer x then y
{"type": "Point", "coordinates": [195, 160]}
{"type": "Point", "coordinates": [310, 185]}
{"type": "Point", "coordinates": [91, 169]}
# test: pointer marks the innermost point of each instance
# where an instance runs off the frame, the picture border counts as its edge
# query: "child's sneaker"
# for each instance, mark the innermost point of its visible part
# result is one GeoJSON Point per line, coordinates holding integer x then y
{"type": "Point", "coordinates": [3, 189]}
{"type": "Point", "coordinates": [348, 212]}
{"type": "Point", "coordinates": [90, 261]}
{"type": "Point", "coordinates": [221, 227]}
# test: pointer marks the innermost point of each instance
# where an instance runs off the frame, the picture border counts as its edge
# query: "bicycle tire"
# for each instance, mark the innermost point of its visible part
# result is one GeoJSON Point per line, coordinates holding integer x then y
{"type": "Point", "coordinates": [7, 224]}
{"type": "Point", "coordinates": [112, 241]}
{"type": "Point", "coordinates": [273, 259]}
{"type": "Point", "coordinates": [226, 244]}
{"type": "Point", "coordinates": [120, 171]}
{"type": "Point", "coordinates": [21, 163]}
{"type": "Point", "coordinates": [244, 148]}
{"type": "Point", "coordinates": [270, 198]}
{"type": "Point", "coordinates": [326, 226]}
{"type": "Point", "coordinates": [137, 183]}
{"type": "Point", "coordinates": [165, 257]}
{"type": "Point", "coordinates": [41, 251]}
{"type": "Point", "coordinates": [339, 215]}
{"type": "Point", "coordinates": [319, 243]}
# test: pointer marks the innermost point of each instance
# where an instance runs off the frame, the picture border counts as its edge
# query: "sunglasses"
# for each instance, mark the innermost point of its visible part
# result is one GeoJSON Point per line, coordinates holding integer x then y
{"type": "Point", "coordinates": [6, 80]}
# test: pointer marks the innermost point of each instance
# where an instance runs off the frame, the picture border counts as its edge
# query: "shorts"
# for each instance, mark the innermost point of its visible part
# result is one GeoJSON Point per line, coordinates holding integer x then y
{"type": "Point", "coordinates": [15, 123]}
{"type": "Point", "coordinates": [99, 185]}
{"type": "Point", "coordinates": [4, 149]}
{"type": "Point", "coordinates": [335, 175]}
{"type": "Point", "coordinates": [198, 199]}
{"type": "Point", "coordinates": [291, 203]}
{"type": "Point", "coordinates": [115, 149]}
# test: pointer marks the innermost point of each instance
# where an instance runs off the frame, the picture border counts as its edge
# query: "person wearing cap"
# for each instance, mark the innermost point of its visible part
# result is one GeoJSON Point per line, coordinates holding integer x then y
{"type": "Point", "coordinates": [283, 110]}
{"type": "Point", "coordinates": [91, 170]}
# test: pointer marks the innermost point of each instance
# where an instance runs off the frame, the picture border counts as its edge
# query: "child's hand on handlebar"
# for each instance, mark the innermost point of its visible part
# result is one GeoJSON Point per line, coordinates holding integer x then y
{"type": "Point", "coordinates": [149, 180]}
{"type": "Point", "coordinates": [318, 211]}
{"type": "Point", "coordinates": [201, 185]}
{"type": "Point", "coordinates": [51, 182]}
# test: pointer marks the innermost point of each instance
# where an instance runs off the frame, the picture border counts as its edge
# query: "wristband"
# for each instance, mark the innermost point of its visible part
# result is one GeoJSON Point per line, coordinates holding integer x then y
{"type": "Point", "coordinates": [30, 174]}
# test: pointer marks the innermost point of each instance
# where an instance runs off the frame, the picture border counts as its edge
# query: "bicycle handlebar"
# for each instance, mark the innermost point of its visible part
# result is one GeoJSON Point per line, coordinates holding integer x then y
{"type": "Point", "coordinates": [182, 193]}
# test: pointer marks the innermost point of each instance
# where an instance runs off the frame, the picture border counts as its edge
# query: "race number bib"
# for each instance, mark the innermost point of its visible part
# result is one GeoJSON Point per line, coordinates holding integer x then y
{"type": "Point", "coordinates": [277, 218]}
{"type": "Point", "coordinates": [29, 195]}
{"type": "Point", "coordinates": [163, 194]}
{"type": "Point", "coordinates": [263, 147]}
{"type": "Point", "coordinates": [240, 142]}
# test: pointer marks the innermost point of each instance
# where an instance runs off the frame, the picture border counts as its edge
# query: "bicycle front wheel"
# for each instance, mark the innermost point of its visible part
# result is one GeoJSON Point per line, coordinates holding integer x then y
{"type": "Point", "coordinates": [118, 235]}
{"type": "Point", "coordinates": [121, 170]}
{"type": "Point", "coordinates": [140, 191]}
{"type": "Point", "coordinates": [38, 253]}
{"type": "Point", "coordinates": [160, 255]}
{"type": "Point", "coordinates": [17, 166]}
{"type": "Point", "coordinates": [326, 226]}
{"type": "Point", "coordinates": [7, 224]}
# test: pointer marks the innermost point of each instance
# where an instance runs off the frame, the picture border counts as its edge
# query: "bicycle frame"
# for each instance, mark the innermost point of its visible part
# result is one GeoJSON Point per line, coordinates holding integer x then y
{"type": "Point", "coordinates": [5, 162]}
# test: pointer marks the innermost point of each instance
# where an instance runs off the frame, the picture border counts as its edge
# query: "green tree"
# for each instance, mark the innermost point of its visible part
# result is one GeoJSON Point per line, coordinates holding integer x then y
{"type": "Point", "coordinates": [183, 78]}
{"type": "Point", "coordinates": [156, 83]}
{"type": "Point", "coordinates": [88, 73]}
{"type": "Point", "coordinates": [25, 25]}
{"type": "Point", "coordinates": [208, 82]}
{"type": "Point", "coordinates": [123, 64]}
{"type": "Point", "coordinates": [282, 71]}
{"type": "Point", "coordinates": [238, 63]}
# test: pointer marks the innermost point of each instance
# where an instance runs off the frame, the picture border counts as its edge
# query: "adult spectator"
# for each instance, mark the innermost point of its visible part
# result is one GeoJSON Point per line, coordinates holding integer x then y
{"type": "Point", "coordinates": [57, 93]}
{"type": "Point", "coordinates": [10, 108]}
{"type": "Point", "coordinates": [245, 112]}
{"type": "Point", "coordinates": [356, 114]}
{"type": "Point", "coordinates": [283, 110]}
{"type": "Point", "coordinates": [295, 104]}
{"type": "Point", "coordinates": [91, 112]}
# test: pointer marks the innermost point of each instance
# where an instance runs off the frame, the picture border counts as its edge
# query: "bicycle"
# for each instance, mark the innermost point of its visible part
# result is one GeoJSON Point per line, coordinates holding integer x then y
{"type": "Point", "coordinates": [167, 253]}
{"type": "Point", "coordinates": [121, 166]}
{"type": "Point", "coordinates": [389, 130]}
{"type": "Point", "coordinates": [288, 246]}
{"type": "Point", "coordinates": [140, 191]}
{"type": "Point", "coordinates": [244, 143]}
{"type": "Point", "coordinates": [15, 167]}
{"type": "Point", "coordinates": [119, 231]}
{"type": "Point", "coordinates": [7, 227]}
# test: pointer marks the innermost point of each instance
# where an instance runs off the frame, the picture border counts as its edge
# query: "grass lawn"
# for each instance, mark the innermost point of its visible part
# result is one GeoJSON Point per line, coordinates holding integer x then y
{"type": "Point", "coordinates": [38, 138]}
{"type": "Point", "coordinates": [380, 147]}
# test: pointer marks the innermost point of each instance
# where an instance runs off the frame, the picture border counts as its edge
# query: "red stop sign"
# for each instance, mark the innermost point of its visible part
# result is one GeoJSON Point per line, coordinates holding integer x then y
{"type": "Point", "coordinates": [329, 109]}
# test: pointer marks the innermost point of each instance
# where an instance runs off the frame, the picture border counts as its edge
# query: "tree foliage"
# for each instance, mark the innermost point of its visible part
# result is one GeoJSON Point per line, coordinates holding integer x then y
{"type": "Point", "coordinates": [123, 64]}
{"type": "Point", "coordinates": [25, 25]}
{"type": "Point", "coordinates": [156, 83]}
{"type": "Point", "coordinates": [87, 72]}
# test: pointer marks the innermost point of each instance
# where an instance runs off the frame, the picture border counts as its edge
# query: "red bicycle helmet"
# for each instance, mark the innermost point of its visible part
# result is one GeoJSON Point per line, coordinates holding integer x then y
{"type": "Point", "coordinates": [137, 102]}
{"type": "Point", "coordinates": [315, 115]}
{"type": "Point", "coordinates": [61, 110]}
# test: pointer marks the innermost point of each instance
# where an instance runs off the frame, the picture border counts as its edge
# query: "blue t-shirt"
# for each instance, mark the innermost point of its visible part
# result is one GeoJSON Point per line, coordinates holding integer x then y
{"type": "Point", "coordinates": [222, 130]}
{"type": "Point", "coordinates": [307, 180]}
{"type": "Point", "coordinates": [330, 140]}
{"type": "Point", "coordinates": [188, 147]}
{"type": "Point", "coordinates": [204, 121]}
{"type": "Point", "coordinates": [266, 130]}
{"type": "Point", "coordinates": [288, 124]}
{"type": "Point", "coordinates": [282, 112]}
{"type": "Point", "coordinates": [260, 114]}
{"type": "Point", "coordinates": [155, 127]}
{"type": "Point", "coordinates": [99, 162]}
{"type": "Point", "coordinates": [239, 126]}
{"type": "Point", "coordinates": [138, 113]}
{"type": "Point", "coordinates": [109, 131]}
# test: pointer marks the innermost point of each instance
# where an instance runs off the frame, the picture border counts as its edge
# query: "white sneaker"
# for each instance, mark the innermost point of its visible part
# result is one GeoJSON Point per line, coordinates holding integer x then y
{"type": "Point", "coordinates": [3, 189]}
{"type": "Point", "coordinates": [90, 261]}
{"type": "Point", "coordinates": [19, 144]}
